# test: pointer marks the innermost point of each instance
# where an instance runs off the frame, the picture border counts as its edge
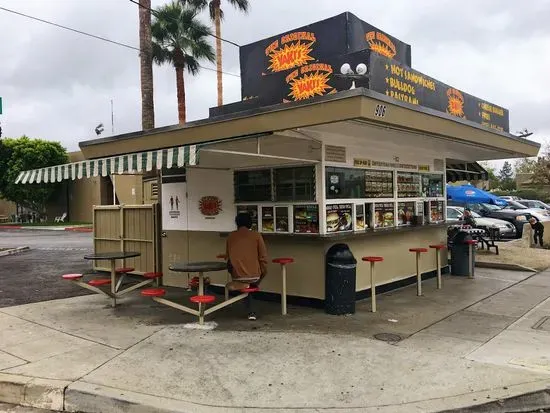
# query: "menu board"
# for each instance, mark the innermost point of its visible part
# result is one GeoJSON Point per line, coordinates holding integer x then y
{"type": "Point", "coordinates": [268, 219]}
{"type": "Point", "coordinates": [405, 213]}
{"type": "Point", "coordinates": [407, 85]}
{"type": "Point", "coordinates": [436, 211]}
{"type": "Point", "coordinates": [281, 219]}
{"type": "Point", "coordinates": [339, 218]}
{"type": "Point", "coordinates": [408, 185]}
{"type": "Point", "coordinates": [432, 186]}
{"type": "Point", "coordinates": [379, 184]}
{"type": "Point", "coordinates": [253, 211]}
{"type": "Point", "coordinates": [306, 219]}
{"type": "Point", "coordinates": [384, 215]}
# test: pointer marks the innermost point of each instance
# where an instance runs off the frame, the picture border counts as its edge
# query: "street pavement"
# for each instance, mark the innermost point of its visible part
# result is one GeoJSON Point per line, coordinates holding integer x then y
{"type": "Point", "coordinates": [35, 275]}
{"type": "Point", "coordinates": [471, 343]}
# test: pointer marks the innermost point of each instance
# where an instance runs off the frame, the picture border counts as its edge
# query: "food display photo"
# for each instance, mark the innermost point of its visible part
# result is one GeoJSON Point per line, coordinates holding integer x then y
{"type": "Point", "coordinates": [281, 219]}
{"type": "Point", "coordinates": [339, 218]}
{"type": "Point", "coordinates": [384, 215]}
{"type": "Point", "coordinates": [268, 219]}
{"type": "Point", "coordinates": [253, 211]}
{"type": "Point", "coordinates": [405, 212]}
{"type": "Point", "coordinates": [306, 219]}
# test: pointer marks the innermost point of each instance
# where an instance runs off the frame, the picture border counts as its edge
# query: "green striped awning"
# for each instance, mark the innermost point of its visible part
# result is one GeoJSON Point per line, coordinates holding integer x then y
{"type": "Point", "coordinates": [116, 165]}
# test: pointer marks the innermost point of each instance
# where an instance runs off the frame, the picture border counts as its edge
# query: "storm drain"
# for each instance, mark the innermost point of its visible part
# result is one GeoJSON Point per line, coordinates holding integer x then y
{"type": "Point", "coordinates": [388, 337]}
{"type": "Point", "coordinates": [543, 324]}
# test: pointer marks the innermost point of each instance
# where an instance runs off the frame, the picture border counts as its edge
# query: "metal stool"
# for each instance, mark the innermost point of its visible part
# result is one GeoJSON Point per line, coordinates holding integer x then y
{"type": "Point", "coordinates": [283, 262]}
{"type": "Point", "coordinates": [229, 279]}
{"type": "Point", "coordinates": [418, 251]}
{"type": "Point", "coordinates": [438, 249]}
{"type": "Point", "coordinates": [373, 260]}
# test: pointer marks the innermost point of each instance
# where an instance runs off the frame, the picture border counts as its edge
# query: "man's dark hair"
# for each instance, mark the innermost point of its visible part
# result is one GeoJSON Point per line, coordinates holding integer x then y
{"type": "Point", "coordinates": [243, 219]}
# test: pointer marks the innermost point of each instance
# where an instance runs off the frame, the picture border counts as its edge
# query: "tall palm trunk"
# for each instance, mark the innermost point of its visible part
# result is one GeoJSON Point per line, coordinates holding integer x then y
{"type": "Point", "coordinates": [180, 90]}
{"type": "Point", "coordinates": [218, 24]}
{"type": "Point", "coordinates": [146, 65]}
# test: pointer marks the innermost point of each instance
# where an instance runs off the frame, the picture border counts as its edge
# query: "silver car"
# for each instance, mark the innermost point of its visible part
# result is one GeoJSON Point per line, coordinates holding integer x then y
{"type": "Point", "coordinates": [506, 229]}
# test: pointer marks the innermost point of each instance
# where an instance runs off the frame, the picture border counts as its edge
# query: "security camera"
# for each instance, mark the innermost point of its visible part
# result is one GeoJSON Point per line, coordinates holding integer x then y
{"type": "Point", "coordinates": [361, 69]}
{"type": "Point", "coordinates": [99, 129]}
{"type": "Point", "coordinates": [346, 69]}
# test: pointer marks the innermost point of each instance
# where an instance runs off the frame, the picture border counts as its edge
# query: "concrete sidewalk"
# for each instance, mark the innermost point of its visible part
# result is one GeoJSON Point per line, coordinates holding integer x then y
{"type": "Point", "coordinates": [61, 227]}
{"type": "Point", "coordinates": [468, 344]}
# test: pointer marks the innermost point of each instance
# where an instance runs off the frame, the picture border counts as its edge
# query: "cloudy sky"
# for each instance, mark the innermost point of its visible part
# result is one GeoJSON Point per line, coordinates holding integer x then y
{"type": "Point", "coordinates": [58, 85]}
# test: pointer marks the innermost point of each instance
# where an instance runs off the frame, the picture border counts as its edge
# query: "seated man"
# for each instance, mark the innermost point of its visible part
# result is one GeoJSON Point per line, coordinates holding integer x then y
{"type": "Point", "coordinates": [468, 218]}
{"type": "Point", "coordinates": [247, 258]}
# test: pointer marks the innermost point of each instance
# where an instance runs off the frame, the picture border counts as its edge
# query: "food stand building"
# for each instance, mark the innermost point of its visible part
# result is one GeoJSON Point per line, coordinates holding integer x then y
{"type": "Point", "coordinates": [321, 150]}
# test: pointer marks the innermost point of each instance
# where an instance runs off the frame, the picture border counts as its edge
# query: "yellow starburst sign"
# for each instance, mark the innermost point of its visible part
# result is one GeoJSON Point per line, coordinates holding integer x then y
{"type": "Point", "coordinates": [455, 104]}
{"type": "Point", "coordinates": [290, 56]}
{"type": "Point", "coordinates": [381, 44]}
{"type": "Point", "coordinates": [310, 81]}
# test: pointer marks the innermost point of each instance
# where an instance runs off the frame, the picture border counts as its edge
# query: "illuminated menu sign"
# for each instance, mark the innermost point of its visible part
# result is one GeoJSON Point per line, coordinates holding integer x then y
{"type": "Point", "coordinates": [407, 85]}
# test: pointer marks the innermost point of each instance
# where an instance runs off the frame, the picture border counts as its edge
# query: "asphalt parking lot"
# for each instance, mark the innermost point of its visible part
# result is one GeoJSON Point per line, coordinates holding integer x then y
{"type": "Point", "coordinates": [35, 275]}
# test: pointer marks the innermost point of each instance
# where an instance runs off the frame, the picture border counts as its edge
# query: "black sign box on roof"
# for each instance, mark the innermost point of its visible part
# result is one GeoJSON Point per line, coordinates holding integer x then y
{"type": "Point", "coordinates": [405, 84]}
{"type": "Point", "coordinates": [317, 43]}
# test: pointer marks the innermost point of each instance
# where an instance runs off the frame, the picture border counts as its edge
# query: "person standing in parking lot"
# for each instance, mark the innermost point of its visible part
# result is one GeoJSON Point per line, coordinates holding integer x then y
{"type": "Point", "coordinates": [538, 229]}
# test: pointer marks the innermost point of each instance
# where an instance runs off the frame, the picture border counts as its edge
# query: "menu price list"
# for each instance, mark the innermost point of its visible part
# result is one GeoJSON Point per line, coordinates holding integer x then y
{"type": "Point", "coordinates": [379, 184]}
{"type": "Point", "coordinates": [408, 185]}
{"type": "Point", "coordinates": [306, 219]}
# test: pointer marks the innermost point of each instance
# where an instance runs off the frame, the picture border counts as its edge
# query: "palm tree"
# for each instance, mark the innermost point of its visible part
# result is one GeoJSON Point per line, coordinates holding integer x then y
{"type": "Point", "coordinates": [179, 38]}
{"type": "Point", "coordinates": [216, 14]}
{"type": "Point", "coordinates": [146, 66]}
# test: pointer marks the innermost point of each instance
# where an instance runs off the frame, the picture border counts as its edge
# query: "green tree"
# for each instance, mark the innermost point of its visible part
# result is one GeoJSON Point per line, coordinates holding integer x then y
{"type": "Point", "coordinates": [494, 182]}
{"type": "Point", "coordinates": [179, 38]}
{"type": "Point", "coordinates": [24, 154]}
{"type": "Point", "coordinates": [216, 14]}
{"type": "Point", "coordinates": [506, 177]}
{"type": "Point", "coordinates": [525, 165]}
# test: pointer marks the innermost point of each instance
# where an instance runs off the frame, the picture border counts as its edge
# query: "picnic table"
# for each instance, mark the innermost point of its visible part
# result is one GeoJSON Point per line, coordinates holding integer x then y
{"type": "Point", "coordinates": [112, 256]}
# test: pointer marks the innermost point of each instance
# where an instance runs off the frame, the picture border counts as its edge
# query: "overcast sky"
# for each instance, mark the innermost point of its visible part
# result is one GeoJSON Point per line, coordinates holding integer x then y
{"type": "Point", "coordinates": [58, 85]}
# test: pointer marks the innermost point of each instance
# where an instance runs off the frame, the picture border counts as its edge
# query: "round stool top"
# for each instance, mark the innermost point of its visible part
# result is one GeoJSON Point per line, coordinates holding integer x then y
{"type": "Point", "coordinates": [203, 299]}
{"type": "Point", "coordinates": [99, 282]}
{"type": "Point", "coordinates": [438, 247]}
{"type": "Point", "coordinates": [72, 276]}
{"type": "Point", "coordinates": [125, 269]}
{"type": "Point", "coordinates": [471, 242]}
{"type": "Point", "coordinates": [283, 261]}
{"type": "Point", "coordinates": [373, 259]}
{"type": "Point", "coordinates": [418, 250]}
{"type": "Point", "coordinates": [152, 275]}
{"type": "Point", "coordinates": [250, 290]}
{"type": "Point", "coordinates": [153, 292]}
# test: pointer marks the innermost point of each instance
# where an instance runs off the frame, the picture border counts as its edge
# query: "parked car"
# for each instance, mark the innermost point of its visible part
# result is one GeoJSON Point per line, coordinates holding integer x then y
{"type": "Point", "coordinates": [510, 198]}
{"type": "Point", "coordinates": [539, 214]}
{"type": "Point", "coordinates": [533, 203]}
{"type": "Point", "coordinates": [506, 229]}
{"type": "Point", "coordinates": [517, 218]}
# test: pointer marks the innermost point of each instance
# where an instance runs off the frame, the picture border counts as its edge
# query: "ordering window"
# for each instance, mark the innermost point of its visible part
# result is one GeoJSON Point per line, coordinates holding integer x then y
{"type": "Point", "coordinates": [345, 183]}
{"type": "Point", "coordinates": [408, 185]}
{"type": "Point", "coordinates": [432, 186]}
{"type": "Point", "coordinates": [253, 186]}
{"type": "Point", "coordinates": [294, 184]}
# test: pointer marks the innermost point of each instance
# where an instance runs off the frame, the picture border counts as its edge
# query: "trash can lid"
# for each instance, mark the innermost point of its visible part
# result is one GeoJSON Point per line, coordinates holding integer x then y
{"type": "Point", "coordinates": [340, 254]}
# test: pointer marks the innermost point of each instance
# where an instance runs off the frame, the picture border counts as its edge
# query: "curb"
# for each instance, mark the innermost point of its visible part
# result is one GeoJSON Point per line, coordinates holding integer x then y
{"type": "Point", "coordinates": [50, 228]}
{"type": "Point", "coordinates": [533, 401]}
{"type": "Point", "coordinates": [500, 266]}
{"type": "Point", "coordinates": [11, 227]}
{"type": "Point", "coordinates": [29, 391]}
{"type": "Point", "coordinates": [79, 229]}
{"type": "Point", "coordinates": [13, 251]}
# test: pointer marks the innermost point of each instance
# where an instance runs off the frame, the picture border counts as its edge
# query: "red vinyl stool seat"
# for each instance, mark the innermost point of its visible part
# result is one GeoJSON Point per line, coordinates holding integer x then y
{"type": "Point", "coordinates": [420, 250]}
{"type": "Point", "coordinates": [203, 299]}
{"type": "Point", "coordinates": [373, 259]}
{"type": "Point", "coordinates": [152, 275]}
{"type": "Point", "coordinates": [124, 270]}
{"type": "Point", "coordinates": [72, 277]}
{"type": "Point", "coordinates": [250, 290]}
{"type": "Point", "coordinates": [99, 282]}
{"type": "Point", "coordinates": [283, 261]}
{"type": "Point", "coordinates": [470, 242]}
{"type": "Point", "coordinates": [438, 247]}
{"type": "Point", "coordinates": [153, 292]}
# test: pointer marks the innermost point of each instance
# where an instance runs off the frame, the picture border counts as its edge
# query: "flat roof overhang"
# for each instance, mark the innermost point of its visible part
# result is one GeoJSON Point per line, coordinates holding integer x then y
{"type": "Point", "coordinates": [354, 105]}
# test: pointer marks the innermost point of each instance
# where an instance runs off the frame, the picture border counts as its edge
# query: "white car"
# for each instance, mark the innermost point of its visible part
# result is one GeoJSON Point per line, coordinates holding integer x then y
{"type": "Point", "coordinates": [506, 229]}
{"type": "Point", "coordinates": [539, 214]}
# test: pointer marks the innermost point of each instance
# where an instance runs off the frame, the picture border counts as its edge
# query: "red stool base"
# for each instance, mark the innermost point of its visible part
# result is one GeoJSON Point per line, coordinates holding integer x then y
{"type": "Point", "coordinates": [153, 292]}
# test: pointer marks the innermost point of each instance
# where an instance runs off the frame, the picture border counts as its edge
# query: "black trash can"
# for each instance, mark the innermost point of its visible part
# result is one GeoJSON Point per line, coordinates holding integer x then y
{"type": "Point", "coordinates": [340, 277]}
{"type": "Point", "coordinates": [460, 254]}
